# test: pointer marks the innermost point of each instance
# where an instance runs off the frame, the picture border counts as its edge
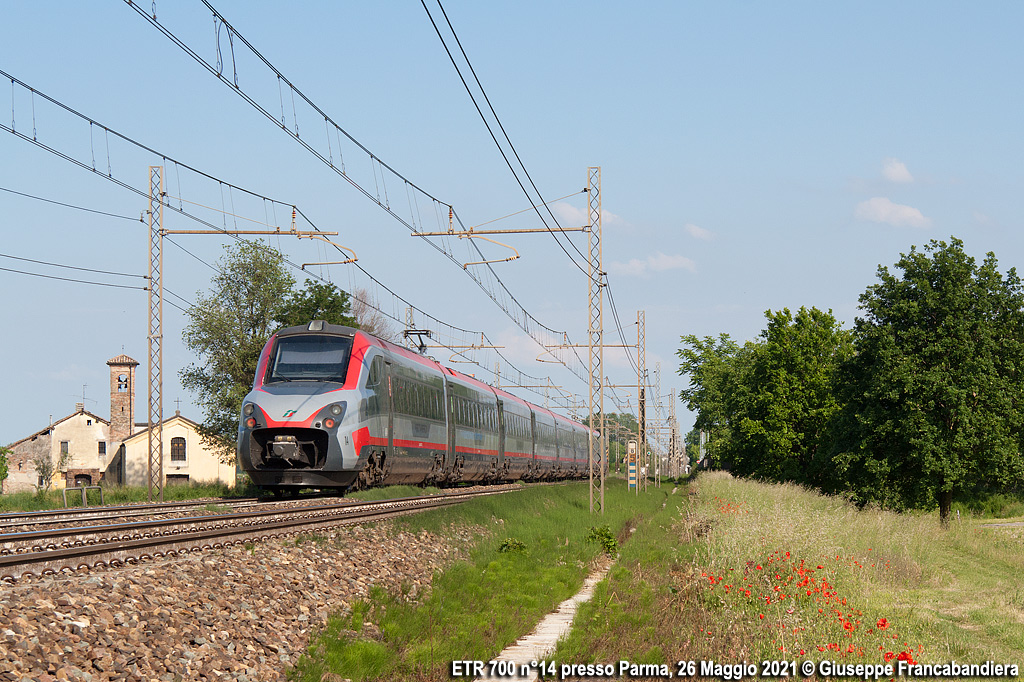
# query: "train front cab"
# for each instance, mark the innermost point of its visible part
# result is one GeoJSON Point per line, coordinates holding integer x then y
{"type": "Point", "coordinates": [300, 411]}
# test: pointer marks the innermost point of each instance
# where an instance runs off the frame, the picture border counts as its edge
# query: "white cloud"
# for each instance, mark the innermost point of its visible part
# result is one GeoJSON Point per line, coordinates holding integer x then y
{"type": "Point", "coordinates": [699, 232]}
{"type": "Point", "coordinates": [895, 170]}
{"type": "Point", "coordinates": [882, 210]}
{"type": "Point", "coordinates": [658, 262]}
{"type": "Point", "coordinates": [570, 216]}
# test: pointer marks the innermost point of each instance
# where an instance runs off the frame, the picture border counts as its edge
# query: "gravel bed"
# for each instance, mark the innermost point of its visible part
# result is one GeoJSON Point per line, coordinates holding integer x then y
{"type": "Point", "coordinates": [240, 613]}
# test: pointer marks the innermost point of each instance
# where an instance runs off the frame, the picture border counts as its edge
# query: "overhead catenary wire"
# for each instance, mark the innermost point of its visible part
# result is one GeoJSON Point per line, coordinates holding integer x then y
{"type": "Point", "coordinates": [72, 267]}
{"type": "Point", "coordinates": [496, 290]}
{"type": "Point", "coordinates": [166, 201]}
{"type": "Point", "coordinates": [80, 208]}
{"type": "Point", "coordinates": [70, 279]}
{"type": "Point", "coordinates": [511, 146]}
{"type": "Point", "coordinates": [504, 133]}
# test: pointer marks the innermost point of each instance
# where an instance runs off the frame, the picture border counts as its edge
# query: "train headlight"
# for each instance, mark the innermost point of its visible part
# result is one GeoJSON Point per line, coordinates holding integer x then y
{"type": "Point", "coordinates": [250, 422]}
{"type": "Point", "coordinates": [329, 423]}
{"type": "Point", "coordinates": [336, 409]}
{"type": "Point", "coordinates": [247, 409]}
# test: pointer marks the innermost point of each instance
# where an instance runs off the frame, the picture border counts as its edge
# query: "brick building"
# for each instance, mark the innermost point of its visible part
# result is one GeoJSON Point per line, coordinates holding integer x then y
{"type": "Point", "coordinates": [86, 449]}
{"type": "Point", "coordinates": [81, 438]}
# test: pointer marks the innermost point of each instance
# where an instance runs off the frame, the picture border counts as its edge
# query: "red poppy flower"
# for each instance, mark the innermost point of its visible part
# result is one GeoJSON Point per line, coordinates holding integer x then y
{"type": "Point", "coordinates": [882, 623]}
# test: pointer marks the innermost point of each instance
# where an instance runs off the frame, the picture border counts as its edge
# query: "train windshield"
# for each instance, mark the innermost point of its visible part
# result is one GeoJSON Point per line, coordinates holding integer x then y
{"type": "Point", "coordinates": [309, 358]}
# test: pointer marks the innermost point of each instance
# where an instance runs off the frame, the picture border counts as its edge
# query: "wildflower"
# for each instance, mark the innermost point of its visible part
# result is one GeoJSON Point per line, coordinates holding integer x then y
{"type": "Point", "coordinates": [882, 623]}
{"type": "Point", "coordinates": [889, 656]}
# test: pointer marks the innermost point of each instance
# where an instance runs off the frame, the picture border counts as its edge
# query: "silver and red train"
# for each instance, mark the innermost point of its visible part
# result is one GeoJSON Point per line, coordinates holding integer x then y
{"type": "Point", "coordinates": [335, 407]}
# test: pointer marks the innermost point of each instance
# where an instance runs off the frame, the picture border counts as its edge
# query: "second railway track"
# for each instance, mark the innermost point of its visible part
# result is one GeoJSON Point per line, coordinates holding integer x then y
{"type": "Point", "coordinates": [51, 551]}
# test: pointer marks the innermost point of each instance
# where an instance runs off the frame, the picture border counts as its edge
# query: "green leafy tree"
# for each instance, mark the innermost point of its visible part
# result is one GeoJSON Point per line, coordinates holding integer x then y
{"type": "Point", "coordinates": [621, 428]}
{"type": "Point", "coordinates": [227, 330]}
{"type": "Point", "coordinates": [318, 301]}
{"type": "Point", "coordinates": [5, 455]}
{"type": "Point", "coordinates": [790, 401]}
{"type": "Point", "coordinates": [934, 396]}
{"type": "Point", "coordinates": [718, 371]}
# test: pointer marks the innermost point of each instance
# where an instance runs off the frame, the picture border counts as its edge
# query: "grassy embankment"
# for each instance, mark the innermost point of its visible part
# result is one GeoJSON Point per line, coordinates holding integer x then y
{"type": "Point", "coordinates": [753, 572]}
{"type": "Point", "coordinates": [114, 494]}
{"type": "Point", "coordinates": [480, 605]}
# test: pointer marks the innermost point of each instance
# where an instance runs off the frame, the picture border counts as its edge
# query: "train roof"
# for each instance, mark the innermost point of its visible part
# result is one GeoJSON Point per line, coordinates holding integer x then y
{"type": "Point", "coordinates": [319, 326]}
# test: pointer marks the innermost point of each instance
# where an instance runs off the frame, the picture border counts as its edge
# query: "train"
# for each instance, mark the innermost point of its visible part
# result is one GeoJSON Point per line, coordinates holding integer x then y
{"type": "Point", "coordinates": [334, 407]}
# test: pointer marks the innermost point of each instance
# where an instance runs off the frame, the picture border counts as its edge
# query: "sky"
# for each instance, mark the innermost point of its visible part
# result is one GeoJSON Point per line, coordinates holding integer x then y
{"type": "Point", "coordinates": [753, 156]}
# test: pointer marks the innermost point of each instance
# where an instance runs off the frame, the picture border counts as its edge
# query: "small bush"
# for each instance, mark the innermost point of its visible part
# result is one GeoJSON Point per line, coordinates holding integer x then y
{"type": "Point", "coordinates": [603, 536]}
{"type": "Point", "coordinates": [512, 545]}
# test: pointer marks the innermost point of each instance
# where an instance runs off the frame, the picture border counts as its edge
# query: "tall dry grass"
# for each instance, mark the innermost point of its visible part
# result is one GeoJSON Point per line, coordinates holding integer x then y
{"type": "Point", "coordinates": [819, 578]}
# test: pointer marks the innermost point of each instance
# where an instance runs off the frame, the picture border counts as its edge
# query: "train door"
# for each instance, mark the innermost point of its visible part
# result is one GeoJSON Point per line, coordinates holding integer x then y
{"type": "Point", "coordinates": [449, 417]}
{"type": "Point", "coordinates": [534, 466]}
{"type": "Point", "coordinates": [502, 469]}
{"type": "Point", "coordinates": [390, 407]}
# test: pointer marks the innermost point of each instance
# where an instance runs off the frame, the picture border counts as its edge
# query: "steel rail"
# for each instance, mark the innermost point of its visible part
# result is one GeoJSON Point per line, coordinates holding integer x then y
{"type": "Point", "coordinates": [115, 552]}
{"type": "Point", "coordinates": [51, 516]}
{"type": "Point", "coordinates": [142, 528]}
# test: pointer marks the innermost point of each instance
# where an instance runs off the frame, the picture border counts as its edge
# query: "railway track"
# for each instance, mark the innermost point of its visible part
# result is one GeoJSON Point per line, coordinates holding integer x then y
{"type": "Point", "coordinates": [54, 550]}
{"type": "Point", "coordinates": [36, 520]}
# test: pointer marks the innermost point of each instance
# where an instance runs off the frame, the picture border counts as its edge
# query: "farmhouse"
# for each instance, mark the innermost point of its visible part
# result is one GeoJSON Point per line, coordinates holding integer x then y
{"type": "Point", "coordinates": [86, 449]}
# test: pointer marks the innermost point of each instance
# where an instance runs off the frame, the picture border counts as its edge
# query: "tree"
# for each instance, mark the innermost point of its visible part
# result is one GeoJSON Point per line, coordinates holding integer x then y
{"type": "Point", "coordinates": [718, 370]}
{"type": "Point", "coordinates": [370, 319]}
{"type": "Point", "coordinates": [46, 468]}
{"type": "Point", "coordinates": [790, 399]}
{"type": "Point", "coordinates": [621, 428]}
{"type": "Point", "coordinates": [228, 329]}
{"type": "Point", "coordinates": [934, 393]}
{"type": "Point", "coordinates": [5, 455]}
{"type": "Point", "coordinates": [766, 406]}
{"type": "Point", "coordinates": [318, 301]}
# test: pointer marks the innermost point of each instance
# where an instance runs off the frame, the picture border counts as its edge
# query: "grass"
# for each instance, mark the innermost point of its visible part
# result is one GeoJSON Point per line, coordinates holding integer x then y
{"type": "Point", "coordinates": [990, 506]}
{"type": "Point", "coordinates": [52, 499]}
{"type": "Point", "coordinates": [393, 492]}
{"type": "Point", "coordinates": [760, 572]}
{"type": "Point", "coordinates": [478, 606]}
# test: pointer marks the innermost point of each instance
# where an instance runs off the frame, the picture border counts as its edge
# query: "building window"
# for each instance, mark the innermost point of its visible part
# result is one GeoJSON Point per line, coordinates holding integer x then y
{"type": "Point", "coordinates": [101, 447]}
{"type": "Point", "coordinates": [122, 383]}
{"type": "Point", "coordinates": [178, 449]}
{"type": "Point", "coordinates": [88, 422]}
{"type": "Point", "coordinates": [64, 445]}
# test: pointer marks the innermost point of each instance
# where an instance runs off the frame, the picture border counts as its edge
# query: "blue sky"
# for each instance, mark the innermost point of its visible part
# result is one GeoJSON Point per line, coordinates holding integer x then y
{"type": "Point", "coordinates": [754, 156]}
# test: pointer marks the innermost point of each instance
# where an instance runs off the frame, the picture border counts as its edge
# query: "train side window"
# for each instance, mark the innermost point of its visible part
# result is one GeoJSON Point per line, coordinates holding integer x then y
{"type": "Point", "coordinates": [376, 372]}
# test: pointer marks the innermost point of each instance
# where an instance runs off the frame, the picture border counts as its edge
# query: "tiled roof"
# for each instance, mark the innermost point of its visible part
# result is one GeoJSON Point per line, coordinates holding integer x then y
{"type": "Point", "coordinates": [121, 360]}
{"type": "Point", "coordinates": [63, 419]}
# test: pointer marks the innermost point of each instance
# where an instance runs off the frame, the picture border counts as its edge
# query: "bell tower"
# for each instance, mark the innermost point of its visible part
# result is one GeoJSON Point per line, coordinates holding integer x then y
{"type": "Point", "coordinates": [122, 397]}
